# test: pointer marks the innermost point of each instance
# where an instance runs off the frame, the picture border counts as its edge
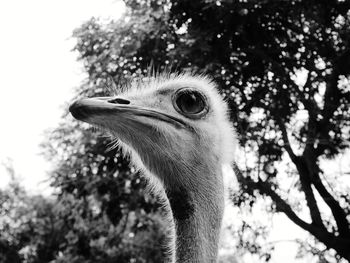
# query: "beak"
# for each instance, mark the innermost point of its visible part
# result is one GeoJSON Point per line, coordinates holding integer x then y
{"type": "Point", "coordinates": [86, 108]}
{"type": "Point", "coordinates": [106, 107]}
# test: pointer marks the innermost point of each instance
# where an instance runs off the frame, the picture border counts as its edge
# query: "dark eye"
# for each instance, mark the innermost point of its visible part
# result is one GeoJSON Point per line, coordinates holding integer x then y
{"type": "Point", "coordinates": [190, 103]}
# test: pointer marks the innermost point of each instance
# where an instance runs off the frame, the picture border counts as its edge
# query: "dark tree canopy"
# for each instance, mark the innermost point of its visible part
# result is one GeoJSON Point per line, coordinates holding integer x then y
{"type": "Point", "coordinates": [283, 67]}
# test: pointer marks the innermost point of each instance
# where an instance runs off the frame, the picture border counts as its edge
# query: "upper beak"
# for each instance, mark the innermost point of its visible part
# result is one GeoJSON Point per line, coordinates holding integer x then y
{"type": "Point", "coordinates": [87, 109]}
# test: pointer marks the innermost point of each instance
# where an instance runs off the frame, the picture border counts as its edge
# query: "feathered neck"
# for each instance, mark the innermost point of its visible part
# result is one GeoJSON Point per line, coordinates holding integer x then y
{"type": "Point", "coordinates": [197, 217]}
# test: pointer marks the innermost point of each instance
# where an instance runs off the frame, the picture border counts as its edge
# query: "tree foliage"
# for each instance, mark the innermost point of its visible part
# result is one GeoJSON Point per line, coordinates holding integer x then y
{"type": "Point", "coordinates": [284, 68]}
{"type": "Point", "coordinates": [30, 231]}
{"type": "Point", "coordinates": [89, 226]}
{"type": "Point", "coordinates": [108, 216]}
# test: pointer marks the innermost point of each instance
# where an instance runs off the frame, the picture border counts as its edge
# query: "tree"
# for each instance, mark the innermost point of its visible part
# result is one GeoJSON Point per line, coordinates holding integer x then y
{"type": "Point", "coordinates": [105, 213]}
{"type": "Point", "coordinates": [111, 222]}
{"type": "Point", "coordinates": [257, 52]}
{"type": "Point", "coordinates": [30, 230]}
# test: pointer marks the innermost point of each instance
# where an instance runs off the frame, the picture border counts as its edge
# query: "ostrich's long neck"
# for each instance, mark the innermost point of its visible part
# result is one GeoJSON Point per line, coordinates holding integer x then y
{"type": "Point", "coordinates": [198, 215]}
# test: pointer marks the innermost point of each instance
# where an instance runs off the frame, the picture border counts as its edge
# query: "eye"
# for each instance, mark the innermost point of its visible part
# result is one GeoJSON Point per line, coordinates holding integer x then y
{"type": "Point", "coordinates": [190, 103]}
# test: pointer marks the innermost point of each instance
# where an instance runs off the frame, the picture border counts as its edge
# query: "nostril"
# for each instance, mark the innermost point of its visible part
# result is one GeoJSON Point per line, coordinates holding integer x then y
{"type": "Point", "coordinates": [119, 101]}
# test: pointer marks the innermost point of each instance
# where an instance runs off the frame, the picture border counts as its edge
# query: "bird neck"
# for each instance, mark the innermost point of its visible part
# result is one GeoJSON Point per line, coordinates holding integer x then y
{"type": "Point", "coordinates": [197, 215]}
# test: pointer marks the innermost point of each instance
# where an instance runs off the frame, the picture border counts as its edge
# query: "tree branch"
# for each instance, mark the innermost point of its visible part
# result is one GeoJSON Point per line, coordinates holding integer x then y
{"type": "Point", "coordinates": [304, 180]}
{"type": "Point", "coordinates": [337, 211]}
{"type": "Point", "coordinates": [285, 138]}
{"type": "Point", "coordinates": [331, 103]}
{"type": "Point", "coordinates": [309, 158]}
{"type": "Point", "coordinates": [309, 194]}
{"type": "Point", "coordinates": [332, 95]}
{"type": "Point", "coordinates": [265, 189]}
{"type": "Point", "coordinates": [330, 240]}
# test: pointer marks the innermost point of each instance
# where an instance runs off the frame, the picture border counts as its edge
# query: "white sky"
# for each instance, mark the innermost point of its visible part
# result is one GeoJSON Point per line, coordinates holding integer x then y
{"type": "Point", "coordinates": [38, 72]}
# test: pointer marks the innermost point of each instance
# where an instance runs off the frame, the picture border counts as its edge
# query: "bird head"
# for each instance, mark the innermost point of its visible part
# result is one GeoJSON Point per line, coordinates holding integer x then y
{"type": "Point", "coordinates": [172, 126]}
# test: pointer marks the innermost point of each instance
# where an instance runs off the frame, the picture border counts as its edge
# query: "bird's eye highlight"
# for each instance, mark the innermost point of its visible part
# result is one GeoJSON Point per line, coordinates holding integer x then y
{"type": "Point", "coordinates": [190, 103]}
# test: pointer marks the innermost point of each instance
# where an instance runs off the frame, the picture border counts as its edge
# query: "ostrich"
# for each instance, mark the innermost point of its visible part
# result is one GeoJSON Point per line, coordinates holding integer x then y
{"type": "Point", "coordinates": [177, 132]}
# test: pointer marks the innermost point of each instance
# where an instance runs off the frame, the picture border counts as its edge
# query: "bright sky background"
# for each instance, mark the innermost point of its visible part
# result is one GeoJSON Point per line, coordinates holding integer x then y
{"type": "Point", "coordinates": [38, 72]}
